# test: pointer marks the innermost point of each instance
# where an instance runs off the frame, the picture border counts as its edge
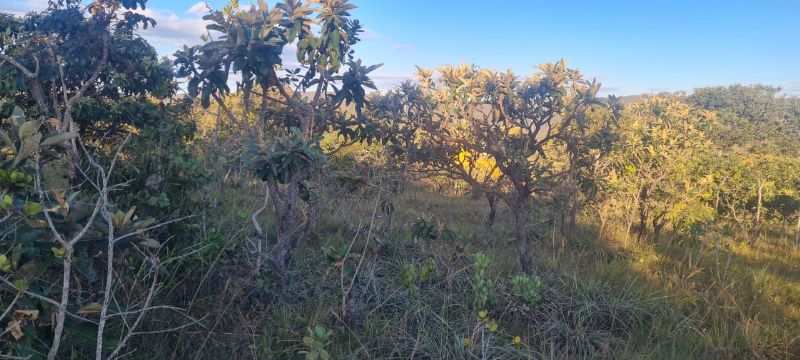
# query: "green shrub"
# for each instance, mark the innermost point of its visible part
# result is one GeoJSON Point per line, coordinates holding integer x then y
{"type": "Point", "coordinates": [482, 285]}
{"type": "Point", "coordinates": [527, 289]}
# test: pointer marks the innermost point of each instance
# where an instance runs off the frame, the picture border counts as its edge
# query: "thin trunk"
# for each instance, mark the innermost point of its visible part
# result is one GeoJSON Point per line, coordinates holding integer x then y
{"type": "Point", "coordinates": [521, 242]}
{"type": "Point", "coordinates": [602, 214]}
{"type": "Point", "coordinates": [629, 220]}
{"type": "Point", "coordinates": [642, 222]}
{"type": "Point", "coordinates": [658, 224]}
{"type": "Point", "coordinates": [797, 230]}
{"type": "Point", "coordinates": [569, 223]}
{"type": "Point", "coordinates": [757, 227]}
{"type": "Point", "coordinates": [289, 226]}
{"type": "Point", "coordinates": [492, 200]}
{"type": "Point", "coordinates": [643, 213]}
{"type": "Point", "coordinates": [109, 282]}
{"type": "Point", "coordinates": [758, 205]}
{"type": "Point", "coordinates": [62, 309]}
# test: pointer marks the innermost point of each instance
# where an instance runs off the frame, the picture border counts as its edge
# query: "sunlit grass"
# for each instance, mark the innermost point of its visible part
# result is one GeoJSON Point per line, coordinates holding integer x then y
{"type": "Point", "coordinates": [602, 298]}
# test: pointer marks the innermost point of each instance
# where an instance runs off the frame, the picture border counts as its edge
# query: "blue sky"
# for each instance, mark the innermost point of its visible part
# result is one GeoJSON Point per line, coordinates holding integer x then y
{"type": "Point", "coordinates": [631, 47]}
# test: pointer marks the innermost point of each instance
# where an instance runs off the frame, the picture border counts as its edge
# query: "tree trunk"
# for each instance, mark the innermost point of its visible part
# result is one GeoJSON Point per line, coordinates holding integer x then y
{"type": "Point", "coordinates": [521, 236]}
{"type": "Point", "coordinates": [629, 220]}
{"type": "Point", "coordinates": [74, 170]}
{"type": "Point", "coordinates": [757, 227]}
{"type": "Point", "coordinates": [797, 230]}
{"type": "Point", "coordinates": [758, 204]}
{"type": "Point", "coordinates": [287, 223]}
{"type": "Point", "coordinates": [492, 200]}
{"type": "Point", "coordinates": [643, 214]}
{"type": "Point", "coordinates": [642, 222]}
{"type": "Point", "coordinates": [658, 224]}
{"type": "Point", "coordinates": [571, 220]}
{"type": "Point", "coordinates": [602, 214]}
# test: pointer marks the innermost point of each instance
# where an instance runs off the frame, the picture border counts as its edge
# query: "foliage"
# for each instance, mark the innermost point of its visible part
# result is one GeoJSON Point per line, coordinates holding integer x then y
{"type": "Point", "coordinates": [482, 285]}
{"type": "Point", "coordinates": [288, 158]}
{"type": "Point", "coordinates": [71, 59]}
{"type": "Point", "coordinates": [250, 44]}
{"type": "Point", "coordinates": [489, 129]}
{"type": "Point", "coordinates": [25, 138]}
{"type": "Point", "coordinates": [315, 342]}
{"type": "Point", "coordinates": [409, 279]}
{"type": "Point", "coordinates": [154, 209]}
{"type": "Point", "coordinates": [660, 162]}
{"type": "Point", "coordinates": [29, 217]}
{"type": "Point", "coordinates": [423, 229]}
{"type": "Point", "coordinates": [527, 289]}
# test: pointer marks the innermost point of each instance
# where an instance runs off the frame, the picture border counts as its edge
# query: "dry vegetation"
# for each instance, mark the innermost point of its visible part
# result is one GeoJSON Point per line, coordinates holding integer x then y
{"type": "Point", "coordinates": [468, 214]}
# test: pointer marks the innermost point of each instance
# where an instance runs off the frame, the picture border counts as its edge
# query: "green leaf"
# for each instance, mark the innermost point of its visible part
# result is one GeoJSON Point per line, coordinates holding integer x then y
{"type": "Point", "coordinates": [58, 139]}
{"type": "Point", "coordinates": [5, 265]}
{"type": "Point", "coordinates": [32, 208]}
{"type": "Point", "coordinates": [21, 285]}
{"type": "Point", "coordinates": [7, 140]}
{"type": "Point", "coordinates": [58, 252]}
{"type": "Point", "coordinates": [7, 202]}
{"type": "Point", "coordinates": [308, 341]}
{"type": "Point", "coordinates": [150, 243]}
{"type": "Point", "coordinates": [89, 332]}
{"type": "Point", "coordinates": [92, 308]}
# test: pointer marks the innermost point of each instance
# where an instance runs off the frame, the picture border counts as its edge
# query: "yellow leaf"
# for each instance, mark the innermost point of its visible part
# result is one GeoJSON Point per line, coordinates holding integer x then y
{"type": "Point", "coordinates": [91, 309]}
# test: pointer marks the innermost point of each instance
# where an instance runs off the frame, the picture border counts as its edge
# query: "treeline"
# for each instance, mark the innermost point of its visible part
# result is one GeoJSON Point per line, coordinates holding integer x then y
{"type": "Point", "coordinates": [102, 165]}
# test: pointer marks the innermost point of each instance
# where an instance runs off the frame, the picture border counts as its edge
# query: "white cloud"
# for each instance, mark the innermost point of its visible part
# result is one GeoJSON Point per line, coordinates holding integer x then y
{"type": "Point", "coordinates": [401, 47]}
{"type": "Point", "coordinates": [369, 34]}
{"type": "Point", "coordinates": [199, 8]}
{"type": "Point", "coordinates": [792, 89]}
{"type": "Point", "coordinates": [610, 90]}
{"type": "Point", "coordinates": [387, 81]}
{"type": "Point", "coordinates": [172, 31]}
{"type": "Point", "coordinates": [21, 7]}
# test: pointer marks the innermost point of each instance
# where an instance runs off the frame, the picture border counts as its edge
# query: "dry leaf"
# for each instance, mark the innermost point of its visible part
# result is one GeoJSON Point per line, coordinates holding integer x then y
{"type": "Point", "coordinates": [91, 308]}
{"type": "Point", "coordinates": [20, 316]}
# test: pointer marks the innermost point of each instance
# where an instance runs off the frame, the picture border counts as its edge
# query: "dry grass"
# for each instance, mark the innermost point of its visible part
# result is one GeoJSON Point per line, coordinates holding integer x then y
{"type": "Point", "coordinates": [708, 298]}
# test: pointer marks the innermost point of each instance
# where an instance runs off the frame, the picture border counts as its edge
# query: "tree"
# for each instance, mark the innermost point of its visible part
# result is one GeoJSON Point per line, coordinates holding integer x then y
{"type": "Point", "coordinates": [753, 118]}
{"type": "Point", "coordinates": [468, 116]}
{"type": "Point", "coordinates": [79, 232]}
{"type": "Point", "coordinates": [72, 58]}
{"type": "Point", "coordinates": [295, 105]}
{"type": "Point", "coordinates": [660, 161]}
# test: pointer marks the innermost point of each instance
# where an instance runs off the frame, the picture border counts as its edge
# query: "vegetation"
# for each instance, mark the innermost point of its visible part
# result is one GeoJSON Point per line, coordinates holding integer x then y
{"type": "Point", "coordinates": [296, 215]}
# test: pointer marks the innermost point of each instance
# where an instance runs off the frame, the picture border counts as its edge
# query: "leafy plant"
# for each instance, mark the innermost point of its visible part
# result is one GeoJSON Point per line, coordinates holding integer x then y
{"type": "Point", "coordinates": [491, 130]}
{"type": "Point", "coordinates": [423, 229]}
{"type": "Point", "coordinates": [315, 342]}
{"type": "Point", "coordinates": [409, 279]}
{"type": "Point", "coordinates": [24, 139]}
{"type": "Point", "coordinates": [481, 285]}
{"type": "Point", "coordinates": [429, 271]}
{"type": "Point", "coordinates": [527, 289]}
{"type": "Point", "coordinates": [288, 158]}
{"type": "Point", "coordinates": [250, 43]}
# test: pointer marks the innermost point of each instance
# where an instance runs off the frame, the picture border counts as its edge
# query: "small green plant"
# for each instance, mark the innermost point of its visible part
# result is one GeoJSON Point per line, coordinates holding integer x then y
{"type": "Point", "coordinates": [316, 341]}
{"type": "Point", "coordinates": [266, 283]}
{"type": "Point", "coordinates": [409, 279]}
{"type": "Point", "coordinates": [527, 289]}
{"type": "Point", "coordinates": [481, 285]}
{"type": "Point", "coordinates": [335, 254]}
{"type": "Point", "coordinates": [429, 230]}
{"type": "Point", "coordinates": [423, 229]}
{"type": "Point", "coordinates": [429, 271]}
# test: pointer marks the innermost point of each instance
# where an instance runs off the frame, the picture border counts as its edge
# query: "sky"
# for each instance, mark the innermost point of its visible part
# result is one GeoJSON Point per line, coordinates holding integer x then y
{"type": "Point", "coordinates": [631, 47]}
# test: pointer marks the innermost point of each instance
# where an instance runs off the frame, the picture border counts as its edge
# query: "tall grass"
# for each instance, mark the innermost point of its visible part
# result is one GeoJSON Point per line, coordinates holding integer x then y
{"type": "Point", "coordinates": [709, 298]}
